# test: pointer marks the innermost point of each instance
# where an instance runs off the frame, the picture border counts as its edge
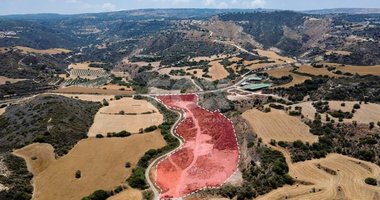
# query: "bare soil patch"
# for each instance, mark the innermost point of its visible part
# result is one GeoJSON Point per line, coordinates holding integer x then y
{"type": "Point", "coordinates": [279, 126]}
{"type": "Point", "coordinates": [102, 166]}
{"type": "Point", "coordinates": [137, 114]}
{"type": "Point", "coordinates": [43, 51]}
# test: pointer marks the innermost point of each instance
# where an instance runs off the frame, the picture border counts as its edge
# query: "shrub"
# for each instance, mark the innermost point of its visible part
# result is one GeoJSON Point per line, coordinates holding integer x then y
{"type": "Point", "coordinates": [78, 174]}
{"type": "Point", "coordinates": [273, 142]}
{"type": "Point", "coordinates": [137, 179]}
{"type": "Point", "coordinates": [371, 181]}
{"type": "Point", "coordinates": [99, 136]}
{"type": "Point", "coordinates": [371, 125]}
{"type": "Point", "coordinates": [98, 195]}
{"type": "Point", "coordinates": [357, 106]}
{"type": "Point", "coordinates": [127, 164]}
{"type": "Point", "coordinates": [150, 128]}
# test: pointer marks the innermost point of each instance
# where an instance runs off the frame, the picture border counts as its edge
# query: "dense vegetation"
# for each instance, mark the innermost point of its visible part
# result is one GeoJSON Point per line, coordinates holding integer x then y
{"type": "Point", "coordinates": [56, 120]}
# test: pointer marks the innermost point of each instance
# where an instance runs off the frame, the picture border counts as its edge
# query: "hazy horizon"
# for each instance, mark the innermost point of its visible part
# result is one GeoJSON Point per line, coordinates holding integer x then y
{"type": "Point", "coordinates": [11, 7]}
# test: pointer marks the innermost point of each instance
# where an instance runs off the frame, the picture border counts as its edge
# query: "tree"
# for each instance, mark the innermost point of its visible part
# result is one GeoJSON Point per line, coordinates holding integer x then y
{"type": "Point", "coordinates": [371, 181]}
{"type": "Point", "coordinates": [78, 174]}
{"type": "Point", "coordinates": [371, 125]}
{"type": "Point", "coordinates": [127, 164]}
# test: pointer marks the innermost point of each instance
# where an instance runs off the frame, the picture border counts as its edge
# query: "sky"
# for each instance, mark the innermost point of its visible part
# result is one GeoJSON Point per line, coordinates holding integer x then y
{"type": "Point", "coordinates": [86, 6]}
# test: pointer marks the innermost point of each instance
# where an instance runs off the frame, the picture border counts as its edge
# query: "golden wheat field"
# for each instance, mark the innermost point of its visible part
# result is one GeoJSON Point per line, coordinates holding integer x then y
{"type": "Point", "coordinates": [279, 126]}
{"type": "Point", "coordinates": [101, 162]}
{"type": "Point", "coordinates": [137, 114]}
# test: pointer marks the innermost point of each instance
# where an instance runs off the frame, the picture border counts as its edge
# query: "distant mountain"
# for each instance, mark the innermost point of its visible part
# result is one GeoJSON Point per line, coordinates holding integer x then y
{"type": "Point", "coordinates": [344, 11]}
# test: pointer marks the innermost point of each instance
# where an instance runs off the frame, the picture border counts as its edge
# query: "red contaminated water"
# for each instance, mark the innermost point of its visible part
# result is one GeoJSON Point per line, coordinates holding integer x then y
{"type": "Point", "coordinates": [209, 155]}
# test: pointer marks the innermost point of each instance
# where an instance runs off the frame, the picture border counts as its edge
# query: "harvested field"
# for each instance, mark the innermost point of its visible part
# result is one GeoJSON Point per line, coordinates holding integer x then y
{"type": "Point", "coordinates": [4, 80]}
{"type": "Point", "coordinates": [38, 156]}
{"type": "Point", "coordinates": [209, 155]}
{"type": "Point", "coordinates": [333, 177]}
{"type": "Point", "coordinates": [367, 113]}
{"type": "Point", "coordinates": [101, 162]}
{"type": "Point", "coordinates": [361, 70]}
{"type": "Point", "coordinates": [286, 71]}
{"type": "Point", "coordinates": [137, 114]}
{"type": "Point", "coordinates": [89, 97]}
{"type": "Point", "coordinates": [127, 194]}
{"type": "Point", "coordinates": [297, 79]}
{"type": "Point", "coordinates": [217, 71]}
{"type": "Point", "coordinates": [280, 72]}
{"type": "Point", "coordinates": [86, 90]}
{"type": "Point", "coordinates": [317, 71]}
{"type": "Point", "coordinates": [273, 55]}
{"type": "Point", "coordinates": [43, 51]}
{"type": "Point", "coordinates": [279, 126]}
{"type": "Point", "coordinates": [83, 65]}
{"type": "Point", "coordinates": [116, 87]}
{"type": "Point", "coordinates": [342, 53]}
{"type": "Point", "coordinates": [254, 66]}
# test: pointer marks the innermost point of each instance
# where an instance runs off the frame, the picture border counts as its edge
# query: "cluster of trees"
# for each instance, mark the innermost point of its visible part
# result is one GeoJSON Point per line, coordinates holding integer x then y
{"type": "Point", "coordinates": [258, 180]}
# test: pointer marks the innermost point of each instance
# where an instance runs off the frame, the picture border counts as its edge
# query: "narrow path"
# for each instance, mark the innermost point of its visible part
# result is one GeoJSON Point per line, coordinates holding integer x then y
{"type": "Point", "coordinates": [156, 193]}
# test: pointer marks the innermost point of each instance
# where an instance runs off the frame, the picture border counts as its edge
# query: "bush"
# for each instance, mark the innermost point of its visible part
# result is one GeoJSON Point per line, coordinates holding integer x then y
{"type": "Point", "coordinates": [371, 181]}
{"type": "Point", "coordinates": [150, 129]}
{"type": "Point", "coordinates": [99, 136]}
{"type": "Point", "coordinates": [127, 164]}
{"type": "Point", "coordinates": [357, 106]}
{"type": "Point", "coordinates": [371, 125]}
{"type": "Point", "coordinates": [78, 174]}
{"type": "Point", "coordinates": [98, 195]}
{"type": "Point", "coordinates": [137, 179]}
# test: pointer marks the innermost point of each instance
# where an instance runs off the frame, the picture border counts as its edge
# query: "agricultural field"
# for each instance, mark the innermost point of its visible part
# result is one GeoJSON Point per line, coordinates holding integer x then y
{"type": "Point", "coordinates": [286, 71]}
{"type": "Point", "coordinates": [279, 126]}
{"type": "Point", "coordinates": [39, 156]}
{"type": "Point", "coordinates": [52, 51]}
{"type": "Point", "coordinates": [126, 114]}
{"type": "Point", "coordinates": [274, 56]}
{"type": "Point", "coordinates": [361, 70]}
{"type": "Point", "coordinates": [308, 69]}
{"type": "Point", "coordinates": [339, 52]}
{"type": "Point", "coordinates": [101, 163]}
{"type": "Point", "coordinates": [217, 71]}
{"type": "Point", "coordinates": [333, 177]}
{"type": "Point", "coordinates": [365, 114]}
{"type": "Point", "coordinates": [4, 80]}
{"type": "Point", "coordinates": [88, 90]}
{"type": "Point", "coordinates": [209, 155]}
{"type": "Point", "coordinates": [89, 97]}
